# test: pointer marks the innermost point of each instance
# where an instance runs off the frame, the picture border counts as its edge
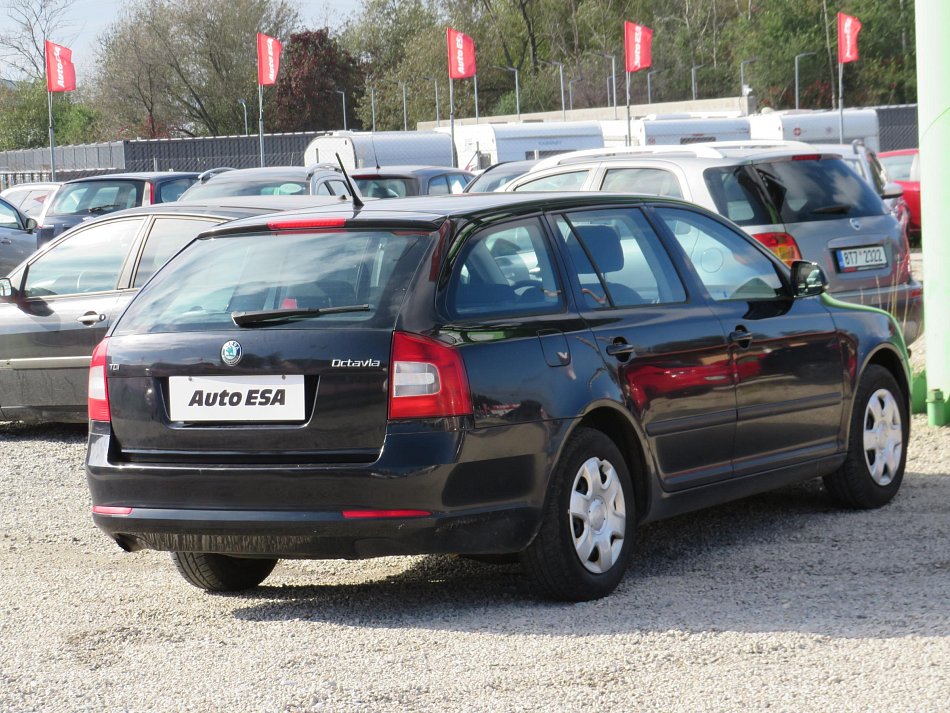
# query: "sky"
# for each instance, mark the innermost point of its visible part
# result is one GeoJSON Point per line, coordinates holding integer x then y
{"type": "Point", "coordinates": [90, 18]}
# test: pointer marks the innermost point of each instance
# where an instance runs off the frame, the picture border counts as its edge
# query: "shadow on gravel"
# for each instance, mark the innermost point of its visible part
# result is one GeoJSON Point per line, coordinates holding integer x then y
{"type": "Point", "coordinates": [15, 430]}
{"type": "Point", "coordinates": [783, 561]}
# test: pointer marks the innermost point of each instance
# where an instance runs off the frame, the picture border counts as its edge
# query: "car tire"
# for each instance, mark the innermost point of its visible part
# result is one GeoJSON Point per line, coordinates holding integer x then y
{"type": "Point", "coordinates": [873, 471]}
{"type": "Point", "coordinates": [583, 547]}
{"type": "Point", "coordinates": [221, 573]}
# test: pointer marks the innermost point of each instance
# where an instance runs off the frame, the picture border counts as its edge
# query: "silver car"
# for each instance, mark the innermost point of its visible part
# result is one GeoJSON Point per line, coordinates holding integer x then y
{"type": "Point", "coordinates": [799, 202]}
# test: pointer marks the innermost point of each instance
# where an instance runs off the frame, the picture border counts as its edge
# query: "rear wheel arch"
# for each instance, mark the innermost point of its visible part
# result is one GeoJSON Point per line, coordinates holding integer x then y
{"type": "Point", "coordinates": [890, 360]}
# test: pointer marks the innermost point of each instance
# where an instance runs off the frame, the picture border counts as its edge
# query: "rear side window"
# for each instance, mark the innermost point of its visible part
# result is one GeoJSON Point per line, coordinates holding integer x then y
{"type": "Point", "coordinates": [96, 197]}
{"type": "Point", "coordinates": [167, 237]}
{"type": "Point", "coordinates": [739, 197]}
{"type": "Point", "coordinates": [649, 181]}
{"type": "Point", "coordinates": [817, 189]}
{"type": "Point", "coordinates": [214, 277]}
{"type": "Point", "coordinates": [898, 167]}
{"type": "Point", "coordinates": [570, 181]}
{"type": "Point", "coordinates": [225, 188]}
{"type": "Point", "coordinates": [171, 190]}
{"type": "Point", "coordinates": [504, 271]}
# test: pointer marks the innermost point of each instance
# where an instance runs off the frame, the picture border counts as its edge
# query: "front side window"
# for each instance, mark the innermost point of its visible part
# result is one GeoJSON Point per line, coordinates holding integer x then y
{"type": "Point", "coordinates": [649, 181]}
{"type": "Point", "coordinates": [457, 182]}
{"type": "Point", "coordinates": [96, 197]}
{"type": "Point", "coordinates": [619, 260]}
{"type": "Point", "coordinates": [504, 271]}
{"type": "Point", "coordinates": [570, 181]}
{"type": "Point", "coordinates": [898, 167]}
{"type": "Point", "coordinates": [729, 266]}
{"type": "Point", "coordinates": [8, 216]}
{"type": "Point", "coordinates": [90, 260]}
{"type": "Point", "coordinates": [167, 237]}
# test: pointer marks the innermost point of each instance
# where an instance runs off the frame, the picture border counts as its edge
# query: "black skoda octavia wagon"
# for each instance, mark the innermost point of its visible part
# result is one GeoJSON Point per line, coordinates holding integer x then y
{"type": "Point", "coordinates": [495, 374]}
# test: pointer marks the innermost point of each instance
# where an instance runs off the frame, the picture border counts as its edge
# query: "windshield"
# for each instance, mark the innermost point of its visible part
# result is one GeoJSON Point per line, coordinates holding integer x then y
{"type": "Point", "coordinates": [96, 197]}
{"type": "Point", "coordinates": [345, 278]}
{"type": "Point", "coordinates": [223, 189]}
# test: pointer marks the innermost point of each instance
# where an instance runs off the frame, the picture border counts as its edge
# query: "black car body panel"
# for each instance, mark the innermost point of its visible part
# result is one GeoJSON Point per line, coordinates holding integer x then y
{"type": "Point", "coordinates": [707, 400]}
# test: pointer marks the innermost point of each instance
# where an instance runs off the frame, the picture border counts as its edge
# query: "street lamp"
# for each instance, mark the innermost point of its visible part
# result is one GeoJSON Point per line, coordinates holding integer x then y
{"type": "Point", "coordinates": [560, 69]}
{"type": "Point", "coordinates": [797, 58]}
{"type": "Point", "coordinates": [372, 104]}
{"type": "Point", "coordinates": [517, 88]}
{"type": "Point", "coordinates": [570, 90]}
{"type": "Point", "coordinates": [742, 65]}
{"type": "Point", "coordinates": [650, 84]}
{"type": "Point", "coordinates": [343, 97]}
{"type": "Point", "coordinates": [613, 79]}
{"type": "Point", "coordinates": [435, 83]}
{"type": "Point", "coordinates": [693, 74]}
{"type": "Point", "coordinates": [244, 106]}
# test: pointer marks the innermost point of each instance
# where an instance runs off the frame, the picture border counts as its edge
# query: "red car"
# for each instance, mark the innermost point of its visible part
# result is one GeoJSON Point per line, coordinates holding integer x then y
{"type": "Point", "coordinates": [903, 167]}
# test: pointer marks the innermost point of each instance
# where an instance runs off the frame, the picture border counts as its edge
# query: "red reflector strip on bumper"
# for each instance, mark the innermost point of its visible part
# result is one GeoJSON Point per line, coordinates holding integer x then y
{"type": "Point", "coordinates": [368, 514]}
{"type": "Point", "coordinates": [110, 510]}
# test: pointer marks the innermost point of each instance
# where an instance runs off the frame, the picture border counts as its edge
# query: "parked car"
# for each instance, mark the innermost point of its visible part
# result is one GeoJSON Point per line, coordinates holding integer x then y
{"type": "Point", "coordinates": [903, 167]}
{"type": "Point", "coordinates": [60, 302]}
{"type": "Point", "coordinates": [86, 198]}
{"type": "Point", "coordinates": [17, 237]}
{"type": "Point", "coordinates": [499, 175]}
{"type": "Point", "coordinates": [30, 197]}
{"type": "Point", "coordinates": [482, 374]}
{"type": "Point", "coordinates": [797, 201]}
{"type": "Point", "coordinates": [269, 181]}
{"type": "Point", "coordinates": [402, 181]}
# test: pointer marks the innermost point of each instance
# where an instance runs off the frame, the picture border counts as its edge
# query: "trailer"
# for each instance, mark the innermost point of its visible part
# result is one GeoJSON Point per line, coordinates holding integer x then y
{"type": "Point", "coordinates": [677, 129]}
{"type": "Point", "coordinates": [481, 145]}
{"type": "Point", "coordinates": [365, 149]}
{"type": "Point", "coordinates": [817, 127]}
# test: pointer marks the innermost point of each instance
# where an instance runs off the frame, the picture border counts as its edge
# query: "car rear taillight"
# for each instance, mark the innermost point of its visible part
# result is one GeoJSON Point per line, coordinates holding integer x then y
{"type": "Point", "coordinates": [427, 379]}
{"type": "Point", "coordinates": [149, 197]}
{"type": "Point", "coordinates": [98, 386]}
{"type": "Point", "coordinates": [903, 268]}
{"type": "Point", "coordinates": [782, 244]}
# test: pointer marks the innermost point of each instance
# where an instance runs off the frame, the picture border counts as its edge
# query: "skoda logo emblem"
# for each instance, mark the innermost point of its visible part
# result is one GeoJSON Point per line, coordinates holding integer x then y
{"type": "Point", "coordinates": [231, 353]}
{"type": "Point", "coordinates": [856, 224]}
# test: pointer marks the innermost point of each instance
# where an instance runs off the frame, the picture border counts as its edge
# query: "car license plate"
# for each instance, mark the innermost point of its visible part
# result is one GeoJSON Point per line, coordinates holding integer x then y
{"type": "Point", "coordinates": [236, 398]}
{"type": "Point", "coordinates": [861, 258]}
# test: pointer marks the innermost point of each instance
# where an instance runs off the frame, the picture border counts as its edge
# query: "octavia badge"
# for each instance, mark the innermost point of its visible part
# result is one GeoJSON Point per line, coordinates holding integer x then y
{"type": "Point", "coordinates": [231, 353]}
{"type": "Point", "coordinates": [856, 224]}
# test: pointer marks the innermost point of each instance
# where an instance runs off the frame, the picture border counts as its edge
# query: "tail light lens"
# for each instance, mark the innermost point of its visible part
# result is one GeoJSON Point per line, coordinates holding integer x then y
{"type": "Point", "coordinates": [98, 386]}
{"type": "Point", "coordinates": [782, 244]}
{"type": "Point", "coordinates": [427, 379]}
{"type": "Point", "coordinates": [903, 268]}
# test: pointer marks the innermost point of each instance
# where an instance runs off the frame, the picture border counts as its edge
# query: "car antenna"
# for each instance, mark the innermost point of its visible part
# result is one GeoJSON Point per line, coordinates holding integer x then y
{"type": "Point", "coordinates": [354, 193]}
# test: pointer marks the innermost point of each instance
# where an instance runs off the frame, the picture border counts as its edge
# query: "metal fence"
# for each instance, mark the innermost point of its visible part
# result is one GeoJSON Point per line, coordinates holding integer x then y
{"type": "Point", "coordinates": [897, 127]}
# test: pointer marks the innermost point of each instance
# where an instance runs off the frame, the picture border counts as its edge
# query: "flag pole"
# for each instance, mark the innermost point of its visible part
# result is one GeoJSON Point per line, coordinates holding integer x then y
{"type": "Point", "coordinates": [629, 141]}
{"type": "Point", "coordinates": [475, 77]}
{"type": "Point", "coordinates": [840, 102]}
{"type": "Point", "coordinates": [260, 119]}
{"type": "Point", "coordinates": [452, 120]}
{"type": "Point", "coordinates": [52, 153]}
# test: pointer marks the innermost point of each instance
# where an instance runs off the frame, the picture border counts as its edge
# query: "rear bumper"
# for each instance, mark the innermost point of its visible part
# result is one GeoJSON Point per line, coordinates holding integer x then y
{"type": "Point", "coordinates": [483, 492]}
{"type": "Point", "coordinates": [905, 302]}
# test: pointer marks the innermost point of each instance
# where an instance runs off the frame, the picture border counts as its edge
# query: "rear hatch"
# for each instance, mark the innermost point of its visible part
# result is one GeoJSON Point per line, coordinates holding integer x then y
{"type": "Point", "coordinates": [260, 348]}
{"type": "Point", "coordinates": [834, 217]}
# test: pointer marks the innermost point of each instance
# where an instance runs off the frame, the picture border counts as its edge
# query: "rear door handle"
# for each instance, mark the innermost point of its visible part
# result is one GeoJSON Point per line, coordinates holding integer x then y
{"type": "Point", "coordinates": [91, 318]}
{"type": "Point", "coordinates": [742, 337]}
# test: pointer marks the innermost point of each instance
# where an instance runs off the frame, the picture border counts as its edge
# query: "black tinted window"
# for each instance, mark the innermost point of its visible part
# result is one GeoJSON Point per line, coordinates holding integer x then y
{"type": "Point", "coordinates": [811, 189]}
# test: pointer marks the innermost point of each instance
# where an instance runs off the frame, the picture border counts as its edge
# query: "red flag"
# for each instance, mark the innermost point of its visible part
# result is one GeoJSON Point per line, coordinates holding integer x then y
{"type": "Point", "coordinates": [268, 59]}
{"type": "Point", "coordinates": [461, 54]}
{"type": "Point", "coordinates": [60, 70]}
{"type": "Point", "coordinates": [637, 41]}
{"type": "Point", "coordinates": [848, 29]}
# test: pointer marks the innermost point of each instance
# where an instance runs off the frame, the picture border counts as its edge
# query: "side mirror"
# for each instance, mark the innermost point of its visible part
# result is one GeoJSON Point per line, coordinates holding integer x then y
{"type": "Point", "coordinates": [892, 190]}
{"type": "Point", "coordinates": [808, 279]}
{"type": "Point", "coordinates": [31, 225]}
{"type": "Point", "coordinates": [6, 290]}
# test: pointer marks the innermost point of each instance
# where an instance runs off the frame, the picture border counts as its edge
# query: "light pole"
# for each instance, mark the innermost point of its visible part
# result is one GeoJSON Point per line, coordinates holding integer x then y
{"type": "Point", "coordinates": [244, 107]}
{"type": "Point", "coordinates": [560, 69]}
{"type": "Point", "coordinates": [517, 88]}
{"type": "Point", "coordinates": [613, 79]}
{"type": "Point", "coordinates": [797, 58]}
{"type": "Point", "coordinates": [570, 90]}
{"type": "Point", "coordinates": [650, 84]}
{"type": "Point", "coordinates": [372, 104]}
{"type": "Point", "coordinates": [435, 83]}
{"type": "Point", "coordinates": [693, 71]}
{"type": "Point", "coordinates": [742, 65]}
{"type": "Point", "coordinates": [342, 96]}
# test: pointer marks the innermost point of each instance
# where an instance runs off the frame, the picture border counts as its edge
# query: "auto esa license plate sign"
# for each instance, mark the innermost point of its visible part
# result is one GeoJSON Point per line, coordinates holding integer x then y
{"type": "Point", "coordinates": [236, 398]}
{"type": "Point", "coordinates": [861, 258]}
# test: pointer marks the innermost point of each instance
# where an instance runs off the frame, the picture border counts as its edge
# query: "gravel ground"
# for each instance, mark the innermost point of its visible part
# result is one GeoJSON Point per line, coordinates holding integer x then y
{"type": "Point", "coordinates": [777, 602]}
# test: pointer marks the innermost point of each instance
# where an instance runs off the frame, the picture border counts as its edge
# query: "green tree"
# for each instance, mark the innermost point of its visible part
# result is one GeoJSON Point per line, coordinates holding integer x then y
{"type": "Point", "coordinates": [24, 117]}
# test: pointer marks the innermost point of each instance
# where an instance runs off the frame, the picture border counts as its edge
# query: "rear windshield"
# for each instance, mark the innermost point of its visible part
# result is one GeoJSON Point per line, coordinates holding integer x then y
{"type": "Point", "coordinates": [96, 197]}
{"type": "Point", "coordinates": [383, 187]}
{"type": "Point", "coordinates": [215, 277]}
{"type": "Point", "coordinates": [224, 189]}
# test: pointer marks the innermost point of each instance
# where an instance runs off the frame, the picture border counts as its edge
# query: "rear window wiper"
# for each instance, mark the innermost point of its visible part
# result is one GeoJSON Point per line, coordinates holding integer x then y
{"type": "Point", "coordinates": [833, 208]}
{"type": "Point", "coordinates": [270, 316]}
{"type": "Point", "coordinates": [103, 208]}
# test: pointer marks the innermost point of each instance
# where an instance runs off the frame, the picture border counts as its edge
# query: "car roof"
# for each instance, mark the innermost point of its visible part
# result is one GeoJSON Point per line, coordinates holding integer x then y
{"type": "Point", "coordinates": [430, 211]}
{"type": "Point", "coordinates": [138, 176]}
{"type": "Point", "coordinates": [406, 170]}
{"type": "Point", "coordinates": [32, 185]}
{"type": "Point", "coordinates": [245, 174]}
{"type": "Point", "coordinates": [224, 206]}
